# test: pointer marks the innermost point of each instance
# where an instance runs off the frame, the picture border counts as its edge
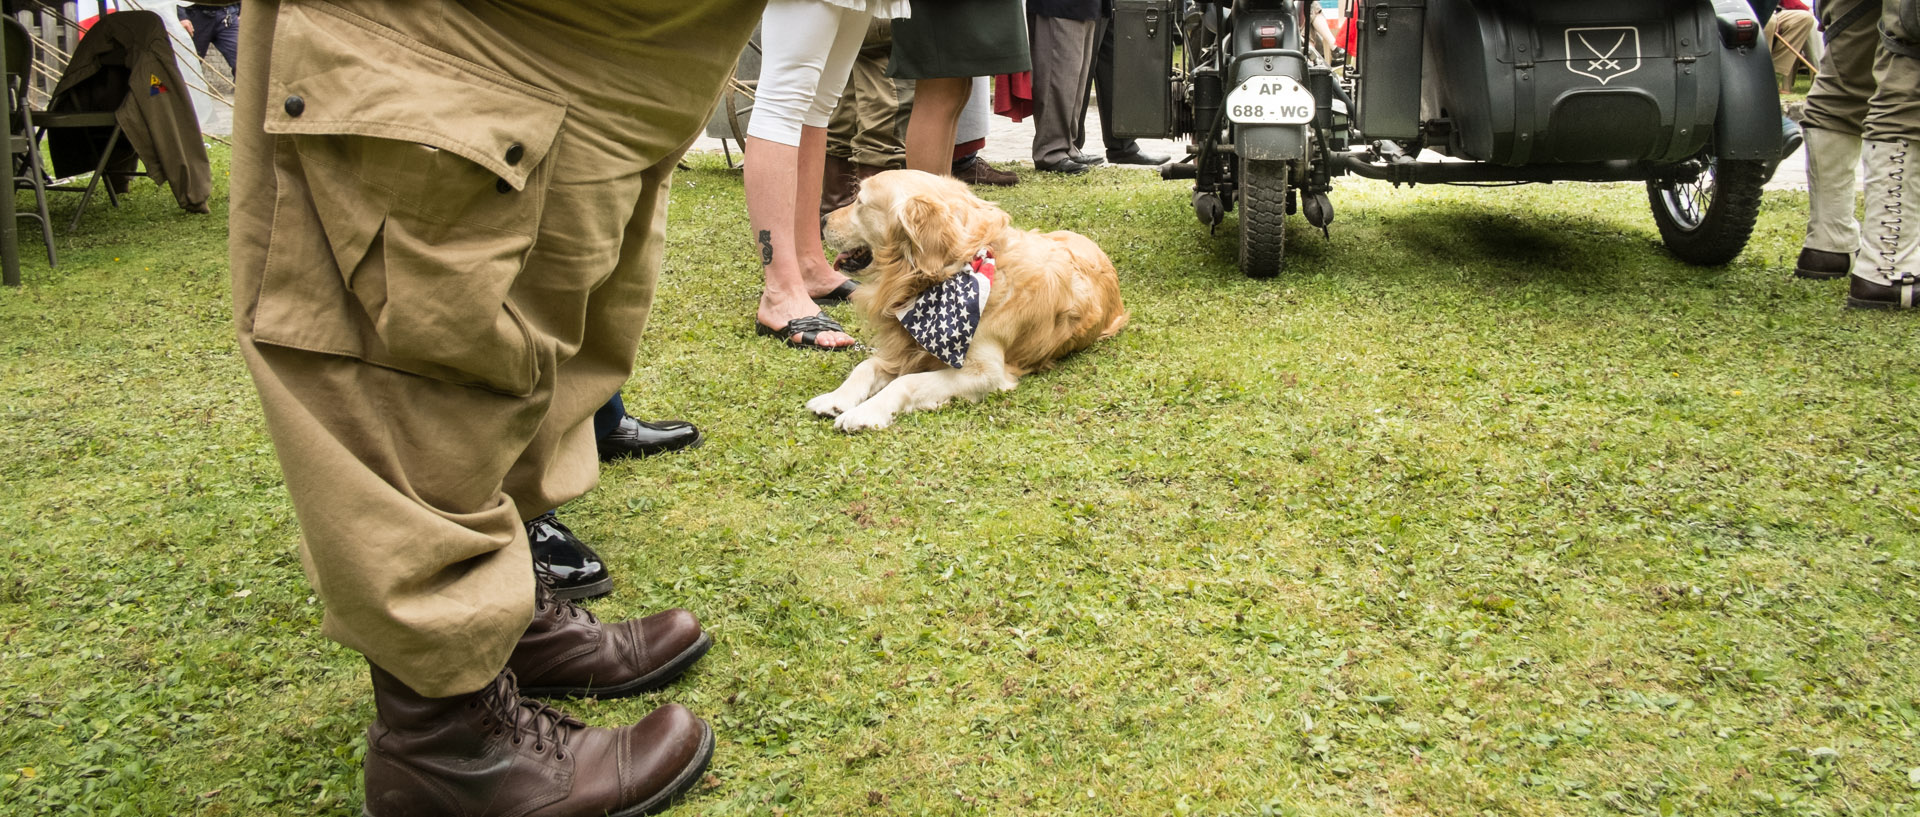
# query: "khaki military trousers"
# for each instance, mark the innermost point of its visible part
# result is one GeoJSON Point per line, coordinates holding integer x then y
{"type": "Point", "coordinates": [1792, 30]}
{"type": "Point", "coordinates": [869, 126]}
{"type": "Point", "coordinates": [447, 221]}
{"type": "Point", "coordinates": [1863, 89]}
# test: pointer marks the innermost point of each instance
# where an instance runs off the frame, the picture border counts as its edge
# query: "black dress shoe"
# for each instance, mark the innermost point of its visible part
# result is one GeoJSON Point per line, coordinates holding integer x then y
{"type": "Point", "coordinates": [638, 438]}
{"type": "Point", "coordinates": [575, 570]}
{"type": "Point", "coordinates": [1087, 159]}
{"type": "Point", "coordinates": [1064, 167]}
{"type": "Point", "coordinates": [1136, 157]}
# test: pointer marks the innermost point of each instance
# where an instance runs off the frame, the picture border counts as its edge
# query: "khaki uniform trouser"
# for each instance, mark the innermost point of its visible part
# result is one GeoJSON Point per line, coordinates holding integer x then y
{"type": "Point", "coordinates": [447, 221]}
{"type": "Point", "coordinates": [869, 126]}
{"type": "Point", "coordinates": [1863, 88]}
{"type": "Point", "coordinates": [1790, 29]}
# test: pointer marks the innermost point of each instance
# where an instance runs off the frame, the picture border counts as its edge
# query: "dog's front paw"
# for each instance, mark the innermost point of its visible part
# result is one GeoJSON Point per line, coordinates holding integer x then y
{"type": "Point", "coordinates": [831, 404]}
{"type": "Point", "coordinates": [824, 406]}
{"type": "Point", "coordinates": [863, 418]}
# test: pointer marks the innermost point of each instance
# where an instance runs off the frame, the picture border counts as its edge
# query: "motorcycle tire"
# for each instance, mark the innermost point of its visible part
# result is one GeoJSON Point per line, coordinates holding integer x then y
{"type": "Point", "coordinates": [1706, 222]}
{"type": "Point", "coordinates": [1263, 217]}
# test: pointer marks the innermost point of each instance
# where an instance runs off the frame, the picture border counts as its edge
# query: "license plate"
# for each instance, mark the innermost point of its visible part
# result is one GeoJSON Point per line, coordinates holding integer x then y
{"type": "Point", "coordinates": [1270, 100]}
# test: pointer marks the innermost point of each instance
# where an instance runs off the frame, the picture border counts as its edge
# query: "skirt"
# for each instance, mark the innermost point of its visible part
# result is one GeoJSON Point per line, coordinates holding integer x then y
{"type": "Point", "coordinates": [960, 38]}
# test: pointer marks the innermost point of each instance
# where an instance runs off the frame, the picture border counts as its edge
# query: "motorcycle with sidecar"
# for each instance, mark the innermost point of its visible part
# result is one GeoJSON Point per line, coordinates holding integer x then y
{"type": "Point", "coordinates": [1678, 94]}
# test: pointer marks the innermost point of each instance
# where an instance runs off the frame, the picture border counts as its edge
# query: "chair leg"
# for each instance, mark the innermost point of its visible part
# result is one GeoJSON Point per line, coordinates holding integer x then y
{"type": "Point", "coordinates": [82, 209]}
{"type": "Point", "coordinates": [38, 173]}
{"type": "Point", "coordinates": [99, 173]}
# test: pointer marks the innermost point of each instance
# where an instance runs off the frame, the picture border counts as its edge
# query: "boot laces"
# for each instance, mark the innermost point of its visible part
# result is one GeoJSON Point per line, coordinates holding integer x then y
{"type": "Point", "coordinates": [544, 599]}
{"type": "Point", "coordinates": [1896, 212]}
{"type": "Point", "coordinates": [525, 718]}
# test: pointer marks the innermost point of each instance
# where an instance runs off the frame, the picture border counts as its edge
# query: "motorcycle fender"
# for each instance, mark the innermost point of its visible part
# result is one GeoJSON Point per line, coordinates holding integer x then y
{"type": "Point", "coordinates": [1261, 142]}
{"type": "Point", "coordinates": [1267, 143]}
{"type": "Point", "coordinates": [1748, 124]}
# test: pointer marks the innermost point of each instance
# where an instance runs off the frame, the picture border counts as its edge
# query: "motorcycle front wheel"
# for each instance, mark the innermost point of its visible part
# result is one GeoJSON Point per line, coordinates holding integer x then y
{"type": "Point", "coordinates": [1707, 221]}
{"type": "Point", "coordinates": [1263, 217]}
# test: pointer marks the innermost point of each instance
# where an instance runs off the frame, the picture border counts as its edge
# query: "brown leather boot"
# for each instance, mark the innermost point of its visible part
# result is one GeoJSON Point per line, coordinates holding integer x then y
{"type": "Point", "coordinates": [838, 183]}
{"type": "Point", "coordinates": [567, 651]}
{"type": "Point", "coordinates": [492, 753]}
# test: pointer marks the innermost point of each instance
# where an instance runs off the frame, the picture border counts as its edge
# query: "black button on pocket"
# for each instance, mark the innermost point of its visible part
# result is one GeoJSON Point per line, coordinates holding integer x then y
{"type": "Point", "coordinates": [296, 106]}
{"type": "Point", "coordinates": [503, 186]}
{"type": "Point", "coordinates": [515, 154]}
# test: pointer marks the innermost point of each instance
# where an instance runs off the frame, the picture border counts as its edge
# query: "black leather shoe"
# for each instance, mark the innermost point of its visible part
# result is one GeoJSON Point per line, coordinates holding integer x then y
{"type": "Point", "coordinates": [1087, 159]}
{"type": "Point", "coordinates": [1865, 294]}
{"type": "Point", "coordinates": [1136, 157]}
{"type": "Point", "coordinates": [1064, 167]}
{"type": "Point", "coordinates": [638, 438]}
{"type": "Point", "coordinates": [577, 571]}
{"type": "Point", "coordinates": [1821, 264]}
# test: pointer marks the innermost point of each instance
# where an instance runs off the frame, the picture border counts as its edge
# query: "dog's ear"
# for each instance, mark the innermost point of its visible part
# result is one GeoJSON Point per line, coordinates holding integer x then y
{"type": "Point", "coordinates": [927, 233]}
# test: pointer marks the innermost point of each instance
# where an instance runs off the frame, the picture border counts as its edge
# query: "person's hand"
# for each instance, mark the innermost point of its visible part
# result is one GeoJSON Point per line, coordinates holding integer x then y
{"type": "Point", "coordinates": [188, 25]}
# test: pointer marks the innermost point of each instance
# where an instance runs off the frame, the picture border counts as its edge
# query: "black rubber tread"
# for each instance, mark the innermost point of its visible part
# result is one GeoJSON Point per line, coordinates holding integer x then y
{"type": "Point", "coordinates": [1263, 218]}
{"type": "Point", "coordinates": [1724, 228]}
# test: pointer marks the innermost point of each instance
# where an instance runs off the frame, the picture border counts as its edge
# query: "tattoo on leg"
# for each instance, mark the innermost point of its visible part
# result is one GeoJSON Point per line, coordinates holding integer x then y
{"type": "Point", "coordinates": [766, 248]}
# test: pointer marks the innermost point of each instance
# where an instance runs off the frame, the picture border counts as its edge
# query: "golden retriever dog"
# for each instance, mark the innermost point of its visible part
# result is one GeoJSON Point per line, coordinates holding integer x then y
{"type": "Point", "coordinates": [1047, 295]}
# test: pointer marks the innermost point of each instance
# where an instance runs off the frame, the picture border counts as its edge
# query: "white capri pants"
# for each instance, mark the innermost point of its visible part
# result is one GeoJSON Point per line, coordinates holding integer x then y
{"type": "Point", "coordinates": [807, 48]}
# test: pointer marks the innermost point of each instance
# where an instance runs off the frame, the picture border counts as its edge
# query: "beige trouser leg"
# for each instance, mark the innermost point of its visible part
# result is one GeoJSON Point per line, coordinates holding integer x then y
{"type": "Point", "coordinates": [446, 229]}
{"type": "Point", "coordinates": [1838, 99]}
{"type": "Point", "coordinates": [1890, 231]}
{"type": "Point", "coordinates": [1833, 179]}
{"type": "Point", "coordinates": [1893, 111]}
{"type": "Point", "coordinates": [1790, 30]}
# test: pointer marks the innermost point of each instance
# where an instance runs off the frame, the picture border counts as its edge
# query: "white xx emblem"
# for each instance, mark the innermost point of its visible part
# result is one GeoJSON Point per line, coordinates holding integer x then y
{"type": "Point", "coordinates": [1605, 62]}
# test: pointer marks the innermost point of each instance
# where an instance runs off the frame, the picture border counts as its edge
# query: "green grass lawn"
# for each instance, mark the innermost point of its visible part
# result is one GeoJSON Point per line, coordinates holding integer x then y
{"type": "Point", "coordinates": [1486, 507]}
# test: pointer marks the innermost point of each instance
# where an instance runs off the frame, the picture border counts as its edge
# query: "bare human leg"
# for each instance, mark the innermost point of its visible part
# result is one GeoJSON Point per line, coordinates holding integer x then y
{"type": "Point", "coordinates": [772, 187]}
{"type": "Point", "coordinates": [936, 113]}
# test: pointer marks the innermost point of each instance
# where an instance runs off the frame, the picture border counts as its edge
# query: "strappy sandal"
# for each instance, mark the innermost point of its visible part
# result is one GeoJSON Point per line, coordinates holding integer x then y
{"type": "Point", "coordinates": [809, 328]}
{"type": "Point", "coordinates": [838, 296]}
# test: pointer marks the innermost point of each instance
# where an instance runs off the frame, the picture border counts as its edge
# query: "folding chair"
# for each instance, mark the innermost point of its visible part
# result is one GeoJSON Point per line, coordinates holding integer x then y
{"type": "Point", "coordinates": [29, 171]}
{"type": "Point", "coordinates": [49, 121]}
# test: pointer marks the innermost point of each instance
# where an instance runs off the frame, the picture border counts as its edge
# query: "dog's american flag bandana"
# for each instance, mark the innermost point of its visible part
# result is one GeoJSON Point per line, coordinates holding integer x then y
{"type": "Point", "coordinates": [943, 319]}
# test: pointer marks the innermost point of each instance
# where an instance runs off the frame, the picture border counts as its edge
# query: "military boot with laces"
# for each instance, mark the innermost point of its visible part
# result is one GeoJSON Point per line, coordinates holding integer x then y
{"type": "Point", "coordinates": [567, 651]}
{"type": "Point", "coordinates": [492, 753]}
{"type": "Point", "coordinates": [1886, 270]}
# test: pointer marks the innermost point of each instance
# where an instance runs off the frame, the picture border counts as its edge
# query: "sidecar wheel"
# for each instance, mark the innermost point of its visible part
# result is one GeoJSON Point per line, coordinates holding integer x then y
{"type": "Point", "coordinates": [1707, 221]}
{"type": "Point", "coordinates": [1263, 217]}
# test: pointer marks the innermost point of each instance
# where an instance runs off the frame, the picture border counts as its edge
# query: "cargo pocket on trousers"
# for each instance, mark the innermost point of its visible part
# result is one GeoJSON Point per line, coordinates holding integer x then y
{"type": "Point", "coordinates": [410, 189]}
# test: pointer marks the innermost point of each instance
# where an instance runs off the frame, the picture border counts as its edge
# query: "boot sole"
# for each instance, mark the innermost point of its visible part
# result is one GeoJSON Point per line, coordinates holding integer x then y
{"type": "Point", "coordinates": [585, 591]}
{"type": "Point", "coordinates": [656, 679]}
{"type": "Point", "coordinates": [1858, 303]}
{"type": "Point", "coordinates": [1817, 275]}
{"type": "Point", "coordinates": [699, 439]}
{"type": "Point", "coordinates": [684, 782]}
